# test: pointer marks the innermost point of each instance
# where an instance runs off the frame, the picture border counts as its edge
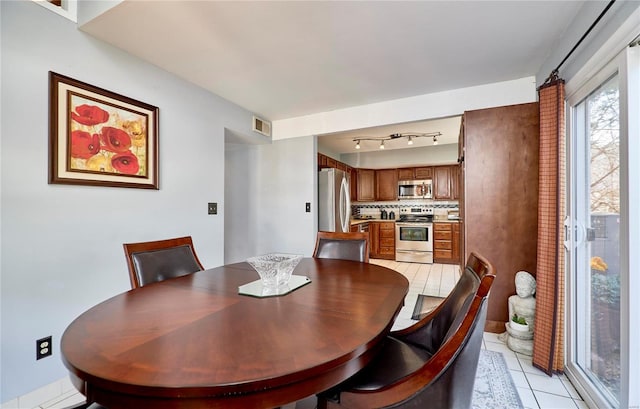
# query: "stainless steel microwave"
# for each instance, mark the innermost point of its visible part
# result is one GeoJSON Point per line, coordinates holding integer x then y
{"type": "Point", "coordinates": [414, 189]}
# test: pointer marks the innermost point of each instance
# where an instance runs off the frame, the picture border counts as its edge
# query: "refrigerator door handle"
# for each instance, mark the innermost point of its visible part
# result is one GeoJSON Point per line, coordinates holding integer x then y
{"type": "Point", "coordinates": [345, 205]}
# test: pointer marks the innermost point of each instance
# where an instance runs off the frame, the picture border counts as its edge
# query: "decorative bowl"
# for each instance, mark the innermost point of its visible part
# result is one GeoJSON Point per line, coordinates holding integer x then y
{"type": "Point", "coordinates": [274, 269]}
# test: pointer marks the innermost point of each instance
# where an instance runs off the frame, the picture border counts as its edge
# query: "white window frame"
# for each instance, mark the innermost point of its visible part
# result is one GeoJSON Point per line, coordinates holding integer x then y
{"type": "Point", "coordinates": [68, 9]}
{"type": "Point", "coordinates": [626, 63]}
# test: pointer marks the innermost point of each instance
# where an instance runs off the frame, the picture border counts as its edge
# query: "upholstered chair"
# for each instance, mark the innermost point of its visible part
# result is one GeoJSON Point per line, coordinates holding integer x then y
{"type": "Point", "coordinates": [154, 261]}
{"type": "Point", "coordinates": [345, 246]}
{"type": "Point", "coordinates": [430, 363]}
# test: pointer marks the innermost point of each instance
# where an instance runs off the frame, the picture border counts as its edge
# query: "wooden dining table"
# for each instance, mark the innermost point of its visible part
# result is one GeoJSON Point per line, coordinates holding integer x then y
{"type": "Point", "coordinates": [195, 342]}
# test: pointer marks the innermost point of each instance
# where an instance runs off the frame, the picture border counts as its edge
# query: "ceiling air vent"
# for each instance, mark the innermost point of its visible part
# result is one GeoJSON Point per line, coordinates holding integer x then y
{"type": "Point", "coordinates": [261, 126]}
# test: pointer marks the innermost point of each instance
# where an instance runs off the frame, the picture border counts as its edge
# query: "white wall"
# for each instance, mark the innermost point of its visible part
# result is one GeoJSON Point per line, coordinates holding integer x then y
{"type": "Point", "coordinates": [396, 158]}
{"type": "Point", "coordinates": [61, 246]}
{"type": "Point", "coordinates": [437, 105]}
{"type": "Point", "coordinates": [287, 180]}
{"type": "Point", "coordinates": [266, 210]}
{"type": "Point", "coordinates": [240, 216]}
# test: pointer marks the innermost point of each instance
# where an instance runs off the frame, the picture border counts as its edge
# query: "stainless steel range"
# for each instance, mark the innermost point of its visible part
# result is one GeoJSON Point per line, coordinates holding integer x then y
{"type": "Point", "coordinates": [414, 235]}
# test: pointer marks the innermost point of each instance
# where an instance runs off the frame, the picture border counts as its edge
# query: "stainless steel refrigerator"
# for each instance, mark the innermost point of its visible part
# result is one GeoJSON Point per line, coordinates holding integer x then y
{"type": "Point", "coordinates": [334, 202]}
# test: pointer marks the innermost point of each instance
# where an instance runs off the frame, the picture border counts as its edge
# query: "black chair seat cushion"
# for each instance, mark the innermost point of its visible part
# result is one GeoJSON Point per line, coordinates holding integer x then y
{"type": "Point", "coordinates": [158, 265]}
{"type": "Point", "coordinates": [395, 361]}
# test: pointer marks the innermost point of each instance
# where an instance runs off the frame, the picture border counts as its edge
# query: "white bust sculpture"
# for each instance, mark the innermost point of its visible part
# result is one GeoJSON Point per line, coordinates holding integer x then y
{"type": "Point", "coordinates": [523, 303]}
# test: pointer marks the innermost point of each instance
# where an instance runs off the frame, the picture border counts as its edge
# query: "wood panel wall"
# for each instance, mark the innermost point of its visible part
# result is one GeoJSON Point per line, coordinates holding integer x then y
{"type": "Point", "coordinates": [500, 200]}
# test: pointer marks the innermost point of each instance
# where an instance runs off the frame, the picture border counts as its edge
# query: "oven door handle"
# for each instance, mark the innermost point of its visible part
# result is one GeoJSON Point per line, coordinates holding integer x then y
{"type": "Point", "coordinates": [412, 251]}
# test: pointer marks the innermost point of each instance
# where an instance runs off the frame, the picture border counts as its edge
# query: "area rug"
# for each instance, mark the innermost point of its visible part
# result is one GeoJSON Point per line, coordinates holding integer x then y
{"type": "Point", "coordinates": [494, 387]}
{"type": "Point", "coordinates": [424, 305]}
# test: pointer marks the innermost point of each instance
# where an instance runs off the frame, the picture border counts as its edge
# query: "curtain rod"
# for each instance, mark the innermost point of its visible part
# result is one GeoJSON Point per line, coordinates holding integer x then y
{"type": "Point", "coordinates": [554, 73]}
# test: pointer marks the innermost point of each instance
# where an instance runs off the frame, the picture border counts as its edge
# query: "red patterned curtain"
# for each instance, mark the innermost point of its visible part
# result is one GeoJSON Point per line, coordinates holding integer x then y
{"type": "Point", "coordinates": [548, 342]}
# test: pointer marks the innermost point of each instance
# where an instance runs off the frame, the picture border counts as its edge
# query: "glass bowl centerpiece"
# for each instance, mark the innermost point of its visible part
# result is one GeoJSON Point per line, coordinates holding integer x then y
{"type": "Point", "coordinates": [275, 269]}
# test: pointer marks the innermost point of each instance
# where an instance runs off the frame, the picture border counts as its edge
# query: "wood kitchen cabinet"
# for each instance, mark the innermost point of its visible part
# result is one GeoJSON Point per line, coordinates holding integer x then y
{"type": "Point", "coordinates": [353, 184]}
{"type": "Point", "coordinates": [366, 185]}
{"type": "Point", "coordinates": [382, 240]}
{"type": "Point", "coordinates": [446, 243]}
{"type": "Point", "coordinates": [406, 174]}
{"type": "Point", "coordinates": [423, 173]}
{"type": "Point", "coordinates": [508, 139]}
{"type": "Point", "coordinates": [455, 243]}
{"type": "Point", "coordinates": [442, 183]}
{"type": "Point", "coordinates": [386, 184]}
{"type": "Point", "coordinates": [322, 161]}
{"type": "Point", "coordinates": [455, 182]}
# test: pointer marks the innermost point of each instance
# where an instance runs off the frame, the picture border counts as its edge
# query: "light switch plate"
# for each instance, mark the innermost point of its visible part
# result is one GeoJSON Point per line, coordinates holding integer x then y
{"type": "Point", "coordinates": [213, 208]}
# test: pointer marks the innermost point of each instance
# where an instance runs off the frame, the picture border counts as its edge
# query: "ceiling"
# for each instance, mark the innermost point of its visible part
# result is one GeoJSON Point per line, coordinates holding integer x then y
{"type": "Point", "coordinates": [342, 142]}
{"type": "Point", "coordinates": [283, 59]}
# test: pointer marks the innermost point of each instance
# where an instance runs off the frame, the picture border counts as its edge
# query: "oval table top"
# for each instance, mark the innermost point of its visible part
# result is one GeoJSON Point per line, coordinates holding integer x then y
{"type": "Point", "coordinates": [194, 342]}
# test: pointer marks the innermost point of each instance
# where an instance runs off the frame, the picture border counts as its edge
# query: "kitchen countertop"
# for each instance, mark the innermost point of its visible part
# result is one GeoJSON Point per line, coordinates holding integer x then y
{"type": "Point", "coordinates": [360, 221]}
{"type": "Point", "coordinates": [446, 220]}
{"type": "Point", "coordinates": [355, 222]}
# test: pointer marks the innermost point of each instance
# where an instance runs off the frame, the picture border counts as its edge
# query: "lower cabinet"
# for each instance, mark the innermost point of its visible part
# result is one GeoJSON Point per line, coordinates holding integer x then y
{"type": "Point", "coordinates": [382, 237]}
{"type": "Point", "coordinates": [446, 243]}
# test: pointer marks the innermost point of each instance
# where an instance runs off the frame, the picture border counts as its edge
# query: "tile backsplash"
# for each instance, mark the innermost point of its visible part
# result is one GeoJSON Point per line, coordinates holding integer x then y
{"type": "Point", "coordinates": [440, 208]}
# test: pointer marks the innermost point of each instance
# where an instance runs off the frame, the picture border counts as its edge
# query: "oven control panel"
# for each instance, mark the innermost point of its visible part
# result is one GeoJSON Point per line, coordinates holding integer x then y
{"type": "Point", "coordinates": [418, 211]}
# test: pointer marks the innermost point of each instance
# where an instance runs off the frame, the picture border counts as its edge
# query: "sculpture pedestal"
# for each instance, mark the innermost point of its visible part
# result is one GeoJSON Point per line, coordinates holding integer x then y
{"type": "Point", "coordinates": [518, 341]}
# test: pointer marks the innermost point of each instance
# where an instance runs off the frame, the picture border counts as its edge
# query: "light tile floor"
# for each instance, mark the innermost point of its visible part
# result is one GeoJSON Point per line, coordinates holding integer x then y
{"type": "Point", "coordinates": [537, 390]}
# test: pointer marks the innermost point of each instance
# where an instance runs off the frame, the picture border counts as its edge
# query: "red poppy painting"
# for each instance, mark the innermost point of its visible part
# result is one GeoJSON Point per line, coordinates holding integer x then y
{"type": "Point", "coordinates": [101, 138]}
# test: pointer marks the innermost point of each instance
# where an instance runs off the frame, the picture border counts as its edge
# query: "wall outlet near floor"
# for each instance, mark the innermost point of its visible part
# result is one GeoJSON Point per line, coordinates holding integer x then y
{"type": "Point", "coordinates": [44, 347]}
{"type": "Point", "coordinates": [213, 208]}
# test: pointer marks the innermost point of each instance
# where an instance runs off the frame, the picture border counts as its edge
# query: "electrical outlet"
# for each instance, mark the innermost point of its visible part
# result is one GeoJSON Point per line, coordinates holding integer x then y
{"type": "Point", "coordinates": [213, 208]}
{"type": "Point", "coordinates": [44, 347]}
{"type": "Point", "coordinates": [307, 207]}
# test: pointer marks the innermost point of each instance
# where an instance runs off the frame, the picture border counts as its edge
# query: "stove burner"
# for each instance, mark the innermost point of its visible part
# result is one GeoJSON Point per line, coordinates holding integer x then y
{"type": "Point", "coordinates": [412, 218]}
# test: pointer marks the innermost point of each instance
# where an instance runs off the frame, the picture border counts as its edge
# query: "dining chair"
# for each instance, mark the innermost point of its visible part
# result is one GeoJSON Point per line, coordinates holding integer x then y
{"type": "Point", "coordinates": [345, 246]}
{"type": "Point", "coordinates": [430, 331]}
{"type": "Point", "coordinates": [435, 360]}
{"type": "Point", "coordinates": [154, 261]}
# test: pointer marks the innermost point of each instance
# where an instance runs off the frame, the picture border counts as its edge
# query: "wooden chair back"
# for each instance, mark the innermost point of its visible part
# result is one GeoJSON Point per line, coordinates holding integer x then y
{"type": "Point", "coordinates": [153, 261]}
{"type": "Point", "coordinates": [427, 363]}
{"type": "Point", "coordinates": [345, 246]}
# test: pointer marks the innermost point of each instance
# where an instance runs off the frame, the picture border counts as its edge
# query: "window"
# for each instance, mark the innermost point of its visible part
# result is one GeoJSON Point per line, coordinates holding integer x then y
{"type": "Point", "coordinates": [65, 8]}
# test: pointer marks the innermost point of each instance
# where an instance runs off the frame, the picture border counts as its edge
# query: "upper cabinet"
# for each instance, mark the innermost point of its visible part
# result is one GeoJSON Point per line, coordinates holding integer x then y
{"type": "Point", "coordinates": [354, 184]}
{"type": "Point", "coordinates": [446, 182]}
{"type": "Point", "coordinates": [424, 172]}
{"type": "Point", "coordinates": [456, 176]}
{"type": "Point", "coordinates": [442, 182]}
{"type": "Point", "coordinates": [406, 174]}
{"type": "Point", "coordinates": [366, 184]}
{"type": "Point", "coordinates": [386, 184]}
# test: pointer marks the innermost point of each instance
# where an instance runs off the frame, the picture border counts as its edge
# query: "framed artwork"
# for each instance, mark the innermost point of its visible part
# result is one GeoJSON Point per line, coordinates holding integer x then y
{"type": "Point", "coordinates": [100, 138]}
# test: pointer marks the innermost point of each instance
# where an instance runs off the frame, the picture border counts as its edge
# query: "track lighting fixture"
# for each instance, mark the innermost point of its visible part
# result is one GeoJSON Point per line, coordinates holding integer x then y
{"type": "Point", "coordinates": [410, 137]}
